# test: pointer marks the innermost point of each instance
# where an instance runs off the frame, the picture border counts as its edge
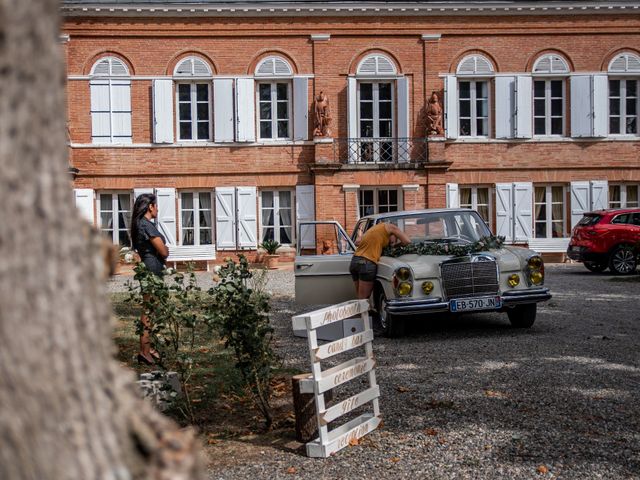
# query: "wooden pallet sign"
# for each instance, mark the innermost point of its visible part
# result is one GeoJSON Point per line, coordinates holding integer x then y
{"type": "Point", "coordinates": [331, 441]}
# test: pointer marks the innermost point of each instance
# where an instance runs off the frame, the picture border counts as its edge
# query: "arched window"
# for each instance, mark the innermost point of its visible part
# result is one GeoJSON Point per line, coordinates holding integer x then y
{"type": "Point", "coordinates": [474, 65]}
{"type": "Point", "coordinates": [274, 98]}
{"type": "Point", "coordinates": [376, 65]}
{"type": "Point", "coordinates": [193, 101]}
{"type": "Point", "coordinates": [549, 95]}
{"type": "Point", "coordinates": [624, 97]}
{"type": "Point", "coordinates": [551, 64]}
{"type": "Point", "coordinates": [473, 96]}
{"type": "Point", "coordinates": [273, 67]}
{"type": "Point", "coordinates": [110, 101]}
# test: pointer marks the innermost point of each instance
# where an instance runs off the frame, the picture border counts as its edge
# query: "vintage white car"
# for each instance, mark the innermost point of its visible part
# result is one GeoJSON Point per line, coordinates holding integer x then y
{"type": "Point", "coordinates": [459, 268]}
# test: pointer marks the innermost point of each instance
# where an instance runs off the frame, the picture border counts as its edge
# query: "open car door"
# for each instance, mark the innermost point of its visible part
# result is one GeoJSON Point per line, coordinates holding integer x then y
{"type": "Point", "coordinates": [322, 264]}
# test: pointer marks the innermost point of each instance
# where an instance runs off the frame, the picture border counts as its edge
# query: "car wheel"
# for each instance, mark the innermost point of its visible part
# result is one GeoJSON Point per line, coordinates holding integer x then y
{"type": "Point", "coordinates": [623, 260]}
{"type": "Point", "coordinates": [595, 267]}
{"type": "Point", "coordinates": [523, 316]}
{"type": "Point", "coordinates": [392, 325]}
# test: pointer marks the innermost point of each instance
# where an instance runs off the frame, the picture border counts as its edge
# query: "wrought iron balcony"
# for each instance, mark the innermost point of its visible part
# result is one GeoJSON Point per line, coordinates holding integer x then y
{"type": "Point", "coordinates": [383, 151]}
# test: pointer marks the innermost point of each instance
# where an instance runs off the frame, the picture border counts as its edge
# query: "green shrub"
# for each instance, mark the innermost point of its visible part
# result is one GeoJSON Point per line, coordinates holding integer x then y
{"type": "Point", "coordinates": [270, 246]}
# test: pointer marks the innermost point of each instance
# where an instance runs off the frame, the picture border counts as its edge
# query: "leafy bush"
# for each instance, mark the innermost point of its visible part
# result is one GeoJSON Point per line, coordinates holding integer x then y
{"type": "Point", "coordinates": [270, 246]}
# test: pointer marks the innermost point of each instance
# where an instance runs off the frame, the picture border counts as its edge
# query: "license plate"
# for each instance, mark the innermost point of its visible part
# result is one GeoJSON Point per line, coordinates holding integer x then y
{"type": "Point", "coordinates": [479, 303]}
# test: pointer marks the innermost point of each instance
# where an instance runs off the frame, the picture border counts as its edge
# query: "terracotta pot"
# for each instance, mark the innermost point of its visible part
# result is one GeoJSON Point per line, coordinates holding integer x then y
{"type": "Point", "coordinates": [271, 261]}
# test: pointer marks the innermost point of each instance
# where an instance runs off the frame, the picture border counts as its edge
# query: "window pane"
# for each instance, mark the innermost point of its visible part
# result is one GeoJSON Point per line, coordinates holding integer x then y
{"type": "Point", "coordinates": [267, 199]}
{"type": "Point", "coordinates": [557, 195]}
{"type": "Point", "coordinates": [614, 106]}
{"type": "Point", "coordinates": [464, 89]}
{"type": "Point", "coordinates": [556, 211]}
{"type": "Point", "coordinates": [366, 129]}
{"type": "Point", "coordinates": [203, 111]}
{"type": "Point", "coordinates": [556, 88]}
{"type": "Point", "coordinates": [187, 218]}
{"type": "Point", "coordinates": [265, 111]}
{"type": "Point", "coordinates": [106, 220]}
{"type": "Point", "coordinates": [267, 234]}
{"type": "Point", "coordinates": [385, 109]}
{"type": "Point", "coordinates": [556, 108]}
{"type": "Point", "coordinates": [265, 91]}
{"type": "Point", "coordinates": [267, 216]}
{"type": "Point", "coordinates": [185, 130]}
{"type": "Point", "coordinates": [385, 128]}
{"type": "Point", "coordinates": [366, 110]}
{"type": "Point", "coordinates": [538, 108]}
{"type": "Point", "coordinates": [465, 197]}
{"type": "Point", "coordinates": [205, 237]}
{"type": "Point", "coordinates": [538, 88]}
{"type": "Point", "coordinates": [483, 210]}
{"type": "Point", "coordinates": [393, 197]}
{"type": "Point", "coordinates": [614, 195]}
{"type": "Point", "coordinates": [282, 110]}
{"type": "Point", "coordinates": [282, 91]}
{"type": "Point", "coordinates": [465, 126]}
{"type": "Point", "coordinates": [184, 92]}
{"type": "Point", "coordinates": [187, 237]}
{"type": "Point", "coordinates": [465, 108]}
{"type": "Point", "coordinates": [541, 229]}
{"type": "Point", "coordinates": [631, 106]}
{"type": "Point", "coordinates": [283, 129]}
{"type": "Point", "coordinates": [185, 111]}
{"type": "Point", "coordinates": [106, 202]}
{"type": "Point", "coordinates": [265, 129]}
{"type": "Point", "coordinates": [556, 126]}
{"type": "Point", "coordinates": [632, 195]}
{"type": "Point", "coordinates": [203, 130]}
{"type": "Point", "coordinates": [632, 125]}
{"type": "Point", "coordinates": [123, 238]}
{"type": "Point", "coordinates": [614, 88]}
{"type": "Point", "coordinates": [632, 88]}
{"type": "Point", "coordinates": [187, 201]}
{"type": "Point", "coordinates": [366, 91]}
{"type": "Point", "coordinates": [614, 125]}
{"type": "Point", "coordinates": [124, 201]}
{"type": "Point", "coordinates": [482, 127]}
{"type": "Point", "coordinates": [384, 91]}
{"type": "Point", "coordinates": [285, 199]}
{"type": "Point", "coordinates": [285, 234]}
{"type": "Point", "coordinates": [205, 201]}
{"type": "Point", "coordinates": [482, 90]}
{"type": "Point", "coordinates": [539, 125]}
{"type": "Point", "coordinates": [558, 231]}
{"type": "Point", "coordinates": [202, 92]}
{"type": "Point", "coordinates": [482, 108]}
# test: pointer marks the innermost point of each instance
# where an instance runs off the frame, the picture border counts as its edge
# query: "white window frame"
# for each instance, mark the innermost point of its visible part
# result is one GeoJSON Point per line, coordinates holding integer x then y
{"type": "Point", "coordinates": [376, 204]}
{"type": "Point", "coordinates": [623, 106]}
{"type": "Point", "coordinates": [276, 218]}
{"type": "Point", "coordinates": [274, 109]}
{"type": "Point", "coordinates": [196, 217]}
{"type": "Point", "coordinates": [376, 107]}
{"type": "Point", "coordinates": [548, 205]}
{"type": "Point", "coordinates": [474, 200]}
{"type": "Point", "coordinates": [115, 213]}
{"type": "Point", "coordinates": [623, 195]}
{"type": "Point", "coordinates": [193, 100]}
{"type": "Point", "coordinates": [547, 106]}
{"type": "Point", "coordinates": [110, 78]}
{"type": "Point", "coordinates": [473, 111]}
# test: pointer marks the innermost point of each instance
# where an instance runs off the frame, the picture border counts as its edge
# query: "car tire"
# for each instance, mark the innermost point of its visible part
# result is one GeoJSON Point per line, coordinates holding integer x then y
{"type": "Point", "coordinates": [392, 326]}
{"type": "Point", "coordinates": [523, 316]}
{"type": "Point", "coordinates": [623, 260]}
{"type": "Point", "coordinates": [595, 267]}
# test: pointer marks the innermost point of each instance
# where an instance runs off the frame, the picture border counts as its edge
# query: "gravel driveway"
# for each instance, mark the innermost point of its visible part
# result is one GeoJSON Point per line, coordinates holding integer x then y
{"type": "Point", "coordinates": [472, 398]}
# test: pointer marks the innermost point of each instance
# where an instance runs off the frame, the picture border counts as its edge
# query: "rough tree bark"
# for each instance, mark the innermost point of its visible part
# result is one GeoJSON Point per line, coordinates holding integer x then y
{"type": "Point", "coordinates": [67, 410]}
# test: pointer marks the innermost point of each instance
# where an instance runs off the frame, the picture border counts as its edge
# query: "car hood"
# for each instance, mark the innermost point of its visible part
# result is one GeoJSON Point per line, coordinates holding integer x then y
{"type": "Point", "coordinates": [427, 266]}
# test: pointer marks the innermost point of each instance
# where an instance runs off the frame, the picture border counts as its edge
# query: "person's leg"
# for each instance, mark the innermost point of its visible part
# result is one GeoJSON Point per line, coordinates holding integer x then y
{"type": "Point", "coordinates": [365, 289]}
{"type": "Point", "coordinates": [145, 339]}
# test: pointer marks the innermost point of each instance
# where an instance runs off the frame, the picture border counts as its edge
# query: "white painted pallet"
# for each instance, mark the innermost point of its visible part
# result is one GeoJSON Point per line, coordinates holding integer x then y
{"type": "Point", "coordinates": [331, 441]}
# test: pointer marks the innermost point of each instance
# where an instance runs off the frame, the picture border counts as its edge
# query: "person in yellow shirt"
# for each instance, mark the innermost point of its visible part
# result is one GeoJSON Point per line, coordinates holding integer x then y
{"type": "Point", "coordinates": [364, 264]}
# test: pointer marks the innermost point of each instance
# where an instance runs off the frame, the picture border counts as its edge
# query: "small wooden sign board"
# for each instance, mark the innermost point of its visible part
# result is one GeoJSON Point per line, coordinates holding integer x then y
{"type": "Point", "coordinates": [331, 441]}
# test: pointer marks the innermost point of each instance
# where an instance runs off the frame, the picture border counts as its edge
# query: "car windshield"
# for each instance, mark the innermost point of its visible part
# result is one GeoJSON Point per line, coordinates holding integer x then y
{"type": "Point", "coordinates": [453, 226]}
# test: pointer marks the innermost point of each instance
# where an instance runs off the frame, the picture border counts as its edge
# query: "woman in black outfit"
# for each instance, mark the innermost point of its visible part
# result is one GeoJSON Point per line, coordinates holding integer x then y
{"type": "Point", "coordinates": [151, 246]}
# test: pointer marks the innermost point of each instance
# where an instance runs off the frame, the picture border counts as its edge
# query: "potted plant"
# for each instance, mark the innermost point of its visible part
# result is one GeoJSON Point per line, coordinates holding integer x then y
{"type": "Point", "coordinates": [271, 257]}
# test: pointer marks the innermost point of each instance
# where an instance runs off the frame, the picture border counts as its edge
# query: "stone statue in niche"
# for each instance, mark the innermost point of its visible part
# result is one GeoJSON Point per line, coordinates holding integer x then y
{"type": "Point", "coordinates": [322, 118]}
{"type": "Point", "coordinates": [434, 116]}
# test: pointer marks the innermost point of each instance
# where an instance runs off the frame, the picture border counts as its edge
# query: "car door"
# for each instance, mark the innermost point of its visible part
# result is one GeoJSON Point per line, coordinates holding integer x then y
{"type": "Point", "coordinates": [321, 265]}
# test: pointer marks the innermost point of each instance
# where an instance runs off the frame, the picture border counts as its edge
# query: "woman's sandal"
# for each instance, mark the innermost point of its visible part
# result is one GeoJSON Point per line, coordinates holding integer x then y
{"type": "Point", "coordinates": [144, 360]}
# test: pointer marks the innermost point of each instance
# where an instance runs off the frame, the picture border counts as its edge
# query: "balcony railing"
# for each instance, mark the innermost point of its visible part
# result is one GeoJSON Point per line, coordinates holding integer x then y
{"type": "Point", "coordinates": [383, 151]}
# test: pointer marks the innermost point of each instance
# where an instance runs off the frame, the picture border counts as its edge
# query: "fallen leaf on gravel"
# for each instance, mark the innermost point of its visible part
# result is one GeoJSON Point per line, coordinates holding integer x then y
{"type": "Point", "coordinates": [291, 470]}
{"type": "Point", "coordinates": [395, 459]}
{"type": "Point", "coordinates": [354, 442]}
{"type": "Point", "coordinates": [203, 350]}
{"type": "Point", "coordinates": [442, 441]}
{"type": "Point", "coordinates": [431, 431]}
{"type": "Point", "coordinates": [542, 469]}
{"type": "Point", "coordinates": [196, 400]}
{"type": "Point", "coordinates": [402, 389]}
{"type": "Point", "coordinates": [212, 441]}
{"type": "Point", "coordinates": [495, 394]}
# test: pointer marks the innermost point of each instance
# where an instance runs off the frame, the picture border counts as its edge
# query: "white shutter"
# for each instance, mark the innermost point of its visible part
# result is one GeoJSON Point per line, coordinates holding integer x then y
{"type": "Point", "coordinates": [599, 194]}
{"type": "Point", "coordinates": [580, 201]}
{"type": "Point", "coordinates": [167, 213]}
{"type": "Point", "coordinates": [226, 218]}
{"type": "Point", "coordinates": [352, 117]}
{"type": "Point", "coordinates": [403, 119]}
{"type": "Point", "coordinates": [581, 106]}
{"type": "Point", "coordinates": [523, 211]}
{"type": "Point", "coordinates": [121, 110]}
{"type": "Point", "coordinates": [139, 191]}
{"type": "Point", "coordinates": [245, 110]}
{"type": "Point", "coordinates": [600, 105]}
{"type": "Point", "coordinates": [85, 204]}
{"type": "Point", "coordinates": [223, 124]}
{"type": "Point", "coordinates": [300, 108]}
{"type": "Point", "coordinates": [451, 106]}
{"type": "Point", "coordinates": [453, 196]}
{"type": "Point", "coordinates": [247, 217]}
{"type": "Point", "coordinates": [163, 111]}
{"type": "Point", "coordinates": [504, 211]}
{"type": "Point", "coordinates": [505, 106]}
{"type": "Point", "coordinates": [524, 100]}
{"type": "Point", "coordinates": [305, 212]}
{"type": "Point", "coordinates": [100, 111]}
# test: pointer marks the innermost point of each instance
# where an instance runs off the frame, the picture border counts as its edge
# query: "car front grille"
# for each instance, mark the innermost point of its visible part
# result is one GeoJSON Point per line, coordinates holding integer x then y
{"type": "Point", "coordinates": [468, 279]}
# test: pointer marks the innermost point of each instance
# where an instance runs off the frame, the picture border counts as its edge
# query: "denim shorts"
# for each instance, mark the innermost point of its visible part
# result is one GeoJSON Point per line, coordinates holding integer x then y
{"type": "Point", "coordinates": [363, 269]}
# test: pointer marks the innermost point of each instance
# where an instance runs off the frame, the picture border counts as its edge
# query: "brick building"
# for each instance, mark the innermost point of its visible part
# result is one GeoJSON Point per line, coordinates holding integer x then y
{"type": "Point", "coordinates": [211, 105]}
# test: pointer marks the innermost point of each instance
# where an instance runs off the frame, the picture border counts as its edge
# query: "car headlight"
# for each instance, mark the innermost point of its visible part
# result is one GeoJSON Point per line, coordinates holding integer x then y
{"type": "Point", "coordinates": [427, 287]}
{"type": "Point", "coordinates": [404, 289]}
{"type": "Point", "coordinates": [535, 267]}
{"type": "Point", "coordinates": [513, 280]}
{"type": "Point", "coordinates": [403, 274]}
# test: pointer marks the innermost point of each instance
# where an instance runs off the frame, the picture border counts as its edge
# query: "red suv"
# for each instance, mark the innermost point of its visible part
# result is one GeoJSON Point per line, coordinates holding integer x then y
{"type": "Point", "coordinates": [607, 239]}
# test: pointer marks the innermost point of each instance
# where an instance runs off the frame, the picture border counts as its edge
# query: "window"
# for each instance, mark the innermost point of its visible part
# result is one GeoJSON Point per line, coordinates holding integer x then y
{"type": "Point", "coordinates": [623, 196]}
{"type": "Point", "coordinates": [274, 110]}
{"type": "Point", "coordinates": [110, 101]}
{"type": "Point", "coordinates": [375, 115]}
{"type": "Point", "coordinates": [195, 218]}
{"type": "Point", "coordinates": [474, 108]}
{"type": "Point", "coordinates": [548, 107]}
{"type": "Point", "coordinates": [478, 199]}
{"type": "Point", "coordinates": [378, 200]}
{"type": "Point", "coordinates": [115, 216]}
{"type": "Point", "coordinates": [623, 107]}
{"type": "Point", "coordinates": [277, 216]}
{"type": "Point", "coordinates": [194, 100]}
{"type": "Point", "coordinates": [549, 211]}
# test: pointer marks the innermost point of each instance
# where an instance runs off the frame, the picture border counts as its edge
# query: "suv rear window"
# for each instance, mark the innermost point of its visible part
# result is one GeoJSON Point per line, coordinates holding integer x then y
{"type": "Point", "coordinates": [588, 220]}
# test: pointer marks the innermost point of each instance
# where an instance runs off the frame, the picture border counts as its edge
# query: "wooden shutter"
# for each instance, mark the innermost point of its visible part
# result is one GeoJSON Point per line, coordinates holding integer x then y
{"type": "Point", "coordinates": [600, 105]}
{"type": "Point", "coordinates": [121, 110]}
{"type": "Point", "coordinates": [504, 211]}
{"type": "Point", "coordinates": [451, 106]}
{"type": "Point", "coordinates": [523, 211]}
{"type": "Point", "coordinates": [352, 118]}
{"type": "Point", "coordinates": [247, 218]}
{"type": "Point", "coordinates": [305, 212]}
{"type": "Point", "coordinates": [245, 110]}
{"type": "Point", "coordinates": [581, 106]}
{"type": "Point", "coordinates": [505, 106]}
{"type": "Point", "coordinates": [453, 196]}
{"type": "Point", "coordinates": [580, 201]}
{"type": "Point", "coordinates": [223, 124]}
{"type": "Point", "coordinates": [163, 111]}
{"type": "Point", "coordinates": [85, 203]}
{"type": "Point", "coordinates": [167, 213]}
{"type": "Point", "coordinates": [404, 121]}
{"type": "Point", "coordinates": [300, 108]}
{"type": "Point", "coordinates": [599, 194]}
{"type": "Point", "coordinates": [226, 218]}
{"type": "Point", "coordinates": [524, 101]}
{"type": "Point", "coordinates": [100, 111]}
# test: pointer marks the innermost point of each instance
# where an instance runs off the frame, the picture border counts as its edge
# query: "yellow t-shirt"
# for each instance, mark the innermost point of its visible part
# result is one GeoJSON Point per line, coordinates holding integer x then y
{"type": "Point", "coordinates": [372, 243]}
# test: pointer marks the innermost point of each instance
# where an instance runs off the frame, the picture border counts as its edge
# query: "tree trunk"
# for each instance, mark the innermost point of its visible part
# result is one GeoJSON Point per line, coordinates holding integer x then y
{"type": "Point", "coordinates": [67, 410]}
